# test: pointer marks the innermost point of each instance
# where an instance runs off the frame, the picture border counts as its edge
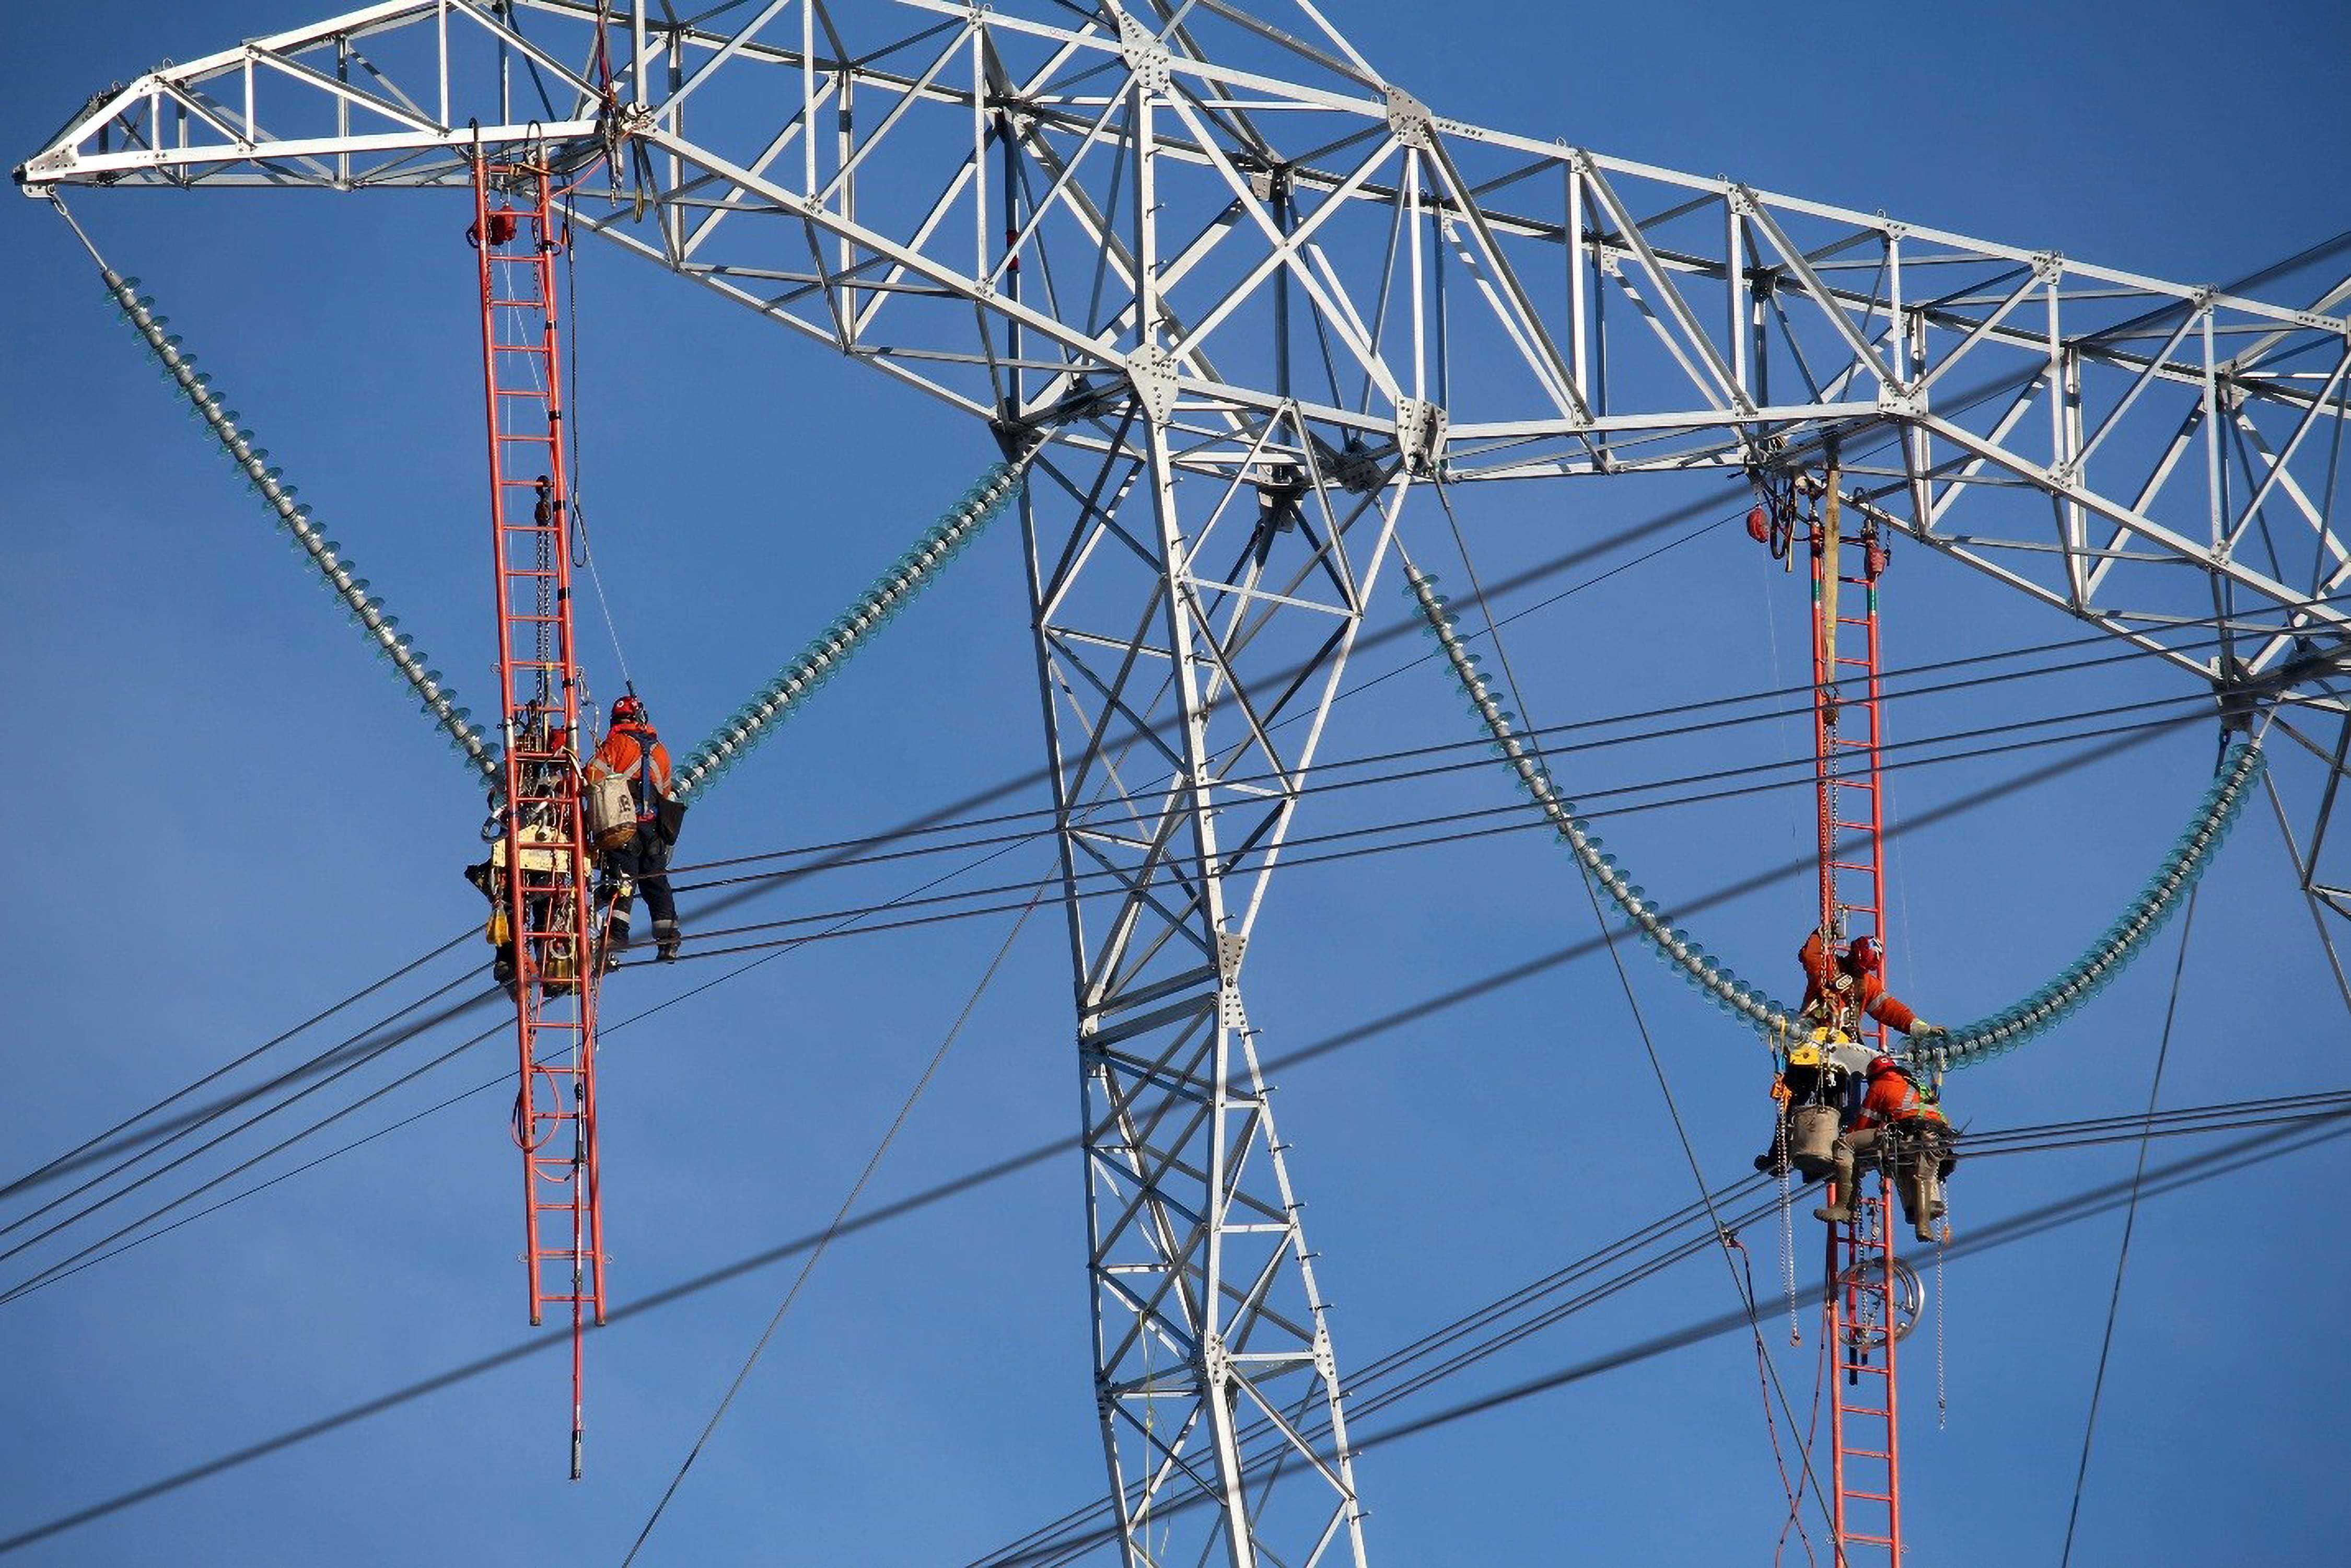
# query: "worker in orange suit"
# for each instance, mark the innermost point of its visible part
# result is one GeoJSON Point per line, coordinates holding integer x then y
{"type": "Point", "coordinates": [633, 752]}
{"type": "Point", "coordinates": [1901, 1124]}
{"type": "Point", "coordinates": [1842, 988]}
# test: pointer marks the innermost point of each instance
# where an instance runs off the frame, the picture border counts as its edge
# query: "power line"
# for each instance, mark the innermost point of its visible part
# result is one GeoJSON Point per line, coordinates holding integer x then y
{"type": "Point", "coordinates": [843, 917]}
{"type": "Point", "coordinates": [1537, 573]}
{"type": "Point", "coordinates": [359, 1056]}
{"type": "Point", "coordinates": [1299, 842]}
{"type": "Point", "coordinates": [2196, 708]}
{"type": "Point", "coordinates": [73, 1158]}
{"type": "Point", "coordinates": [1681, 728]}
{"type": "Point", "coordinates": [1070, 1542]}
{"type": "Point", "coordinates": [94, 1253]}
{"type": "Point", "coordinates": [1500, 979]}
{"type": "Point", "coordinates": [2269, 1146]}
{"type": "Point", "coordinates": [1516, 820]}
{"type": "Point", "coordinates": [57, 1270]}
{"type": "Point", "coordinates": [1513, 820]}
{"type": "Point", "coordinates": [916, 826]}
{"type": "Point", "coordinates": [1299, 860]}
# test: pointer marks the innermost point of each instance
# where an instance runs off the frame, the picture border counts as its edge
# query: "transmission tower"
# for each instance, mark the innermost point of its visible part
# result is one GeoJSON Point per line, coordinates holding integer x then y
{"type": "Point", "coordinates": [1239, 292]}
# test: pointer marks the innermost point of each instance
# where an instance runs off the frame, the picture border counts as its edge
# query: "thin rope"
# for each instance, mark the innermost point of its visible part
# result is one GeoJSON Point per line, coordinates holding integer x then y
{"type": "Point", "coordinates": [1795, 1519]}
{"type": "Point", "coordinates": [1771, 1416]}
{"type": "Point", "coordinates": [833, 1229]}
{"type": "Point", "coordinates": [2130, 1219]}
{"type": "Point", "coordinates": [579, 484]}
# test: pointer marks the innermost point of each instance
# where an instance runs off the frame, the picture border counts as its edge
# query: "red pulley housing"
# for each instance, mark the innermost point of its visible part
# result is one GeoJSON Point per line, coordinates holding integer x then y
{"type": "Point", "coordinates": [502, 230]}
{"type": "Point", "coordinates": [1759, 525]}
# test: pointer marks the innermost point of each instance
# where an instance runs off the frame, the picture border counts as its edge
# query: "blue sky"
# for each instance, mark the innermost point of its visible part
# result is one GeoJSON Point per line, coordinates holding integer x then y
{"type": "Point", "coordinates": [231, 821]}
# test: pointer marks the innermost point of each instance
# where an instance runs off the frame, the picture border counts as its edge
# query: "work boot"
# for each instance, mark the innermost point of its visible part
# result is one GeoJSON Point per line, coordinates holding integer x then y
{"type": "Point", "coordinates": [1925, 1232]}
{"type": "Point", "coordinates": [1839, 1208]}
{"type": "Point", "coordinates": [667, 937]}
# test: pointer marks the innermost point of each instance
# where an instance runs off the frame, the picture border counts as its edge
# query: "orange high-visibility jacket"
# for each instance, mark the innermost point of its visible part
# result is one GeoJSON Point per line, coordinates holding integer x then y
{"type": "Point", "coordinates": [628, 750]}
{"type": "Point", "coordinates": [1892, 1100]}
{"type": "Point", "coordinates": [1861, 993]}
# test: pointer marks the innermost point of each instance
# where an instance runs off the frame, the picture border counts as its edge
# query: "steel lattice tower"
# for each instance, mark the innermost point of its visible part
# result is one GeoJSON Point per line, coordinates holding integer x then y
{"type": "Point", "coordinates": [1239, 292]}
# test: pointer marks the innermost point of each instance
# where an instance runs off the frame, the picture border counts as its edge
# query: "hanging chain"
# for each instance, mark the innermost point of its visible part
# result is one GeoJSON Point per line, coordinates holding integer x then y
{"type": "Point", "coordinates": [545, 617]}
{"type": "Point", "coordinates": [1942, 1309]}
{"type": "Point", "coordinates": [1787, 1227]}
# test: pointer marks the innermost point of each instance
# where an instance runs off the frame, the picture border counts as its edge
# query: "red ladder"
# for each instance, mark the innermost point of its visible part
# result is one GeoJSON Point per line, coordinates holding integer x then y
{"type": "Point", "coordinates": [1845, 725]}
{"type": "Point", "coordinates": [1861, 1328]}
{"type": "Point", "coordinates": [549, 907]}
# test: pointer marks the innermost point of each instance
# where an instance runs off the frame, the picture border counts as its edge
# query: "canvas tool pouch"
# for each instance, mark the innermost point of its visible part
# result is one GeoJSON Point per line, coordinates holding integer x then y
{"type": "Point", "coordinates": [1811, 1134]}
{"type": "Point", "coordinates": [611, 813]}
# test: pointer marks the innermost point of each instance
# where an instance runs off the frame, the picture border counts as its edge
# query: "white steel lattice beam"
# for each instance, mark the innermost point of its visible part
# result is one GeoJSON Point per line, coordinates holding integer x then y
{"type": "Point", "coordinates": [1248, 290]}
{"type": "Point", "coordinates": [1192, 629]}
{"type": "Point", "coordinates": [1619, 316]}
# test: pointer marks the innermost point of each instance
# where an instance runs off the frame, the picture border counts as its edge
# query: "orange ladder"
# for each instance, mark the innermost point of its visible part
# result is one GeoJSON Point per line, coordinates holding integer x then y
{"type": "Point", "coordinates": [1861, 1332]}
{"type": "Point", "coordinates": [1845, 732]}
{"type": "Point", "coordinates": [550, 905]}
{"type": "Point", "coordinates": [1860, 1329]}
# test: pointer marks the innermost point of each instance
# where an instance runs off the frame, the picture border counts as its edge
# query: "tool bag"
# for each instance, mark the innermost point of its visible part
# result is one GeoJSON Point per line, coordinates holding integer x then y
{"type": "Point", "coordinates": [611, 808]}
{"type": "Point", "coordinates": [1812, 1136]}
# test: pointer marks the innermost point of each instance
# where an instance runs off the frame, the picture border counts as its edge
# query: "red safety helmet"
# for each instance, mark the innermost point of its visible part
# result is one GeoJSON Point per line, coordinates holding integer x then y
{"type": "Point", "coordinates": [1879, 1066]}
{"type": "Point", "coordinates": [1866, 956]}
{"type": "Point", "coordinates": [628, 710]}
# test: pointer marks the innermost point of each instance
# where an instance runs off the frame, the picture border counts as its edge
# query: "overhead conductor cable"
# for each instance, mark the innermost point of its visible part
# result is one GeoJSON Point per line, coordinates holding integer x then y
{"type": "Point", "coordinates": [2002, 1032]}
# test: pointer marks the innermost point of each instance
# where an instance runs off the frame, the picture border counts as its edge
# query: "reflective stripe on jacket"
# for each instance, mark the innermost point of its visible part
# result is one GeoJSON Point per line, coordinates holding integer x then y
{"type": "Point", "coordinates": [1894, 1099]}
